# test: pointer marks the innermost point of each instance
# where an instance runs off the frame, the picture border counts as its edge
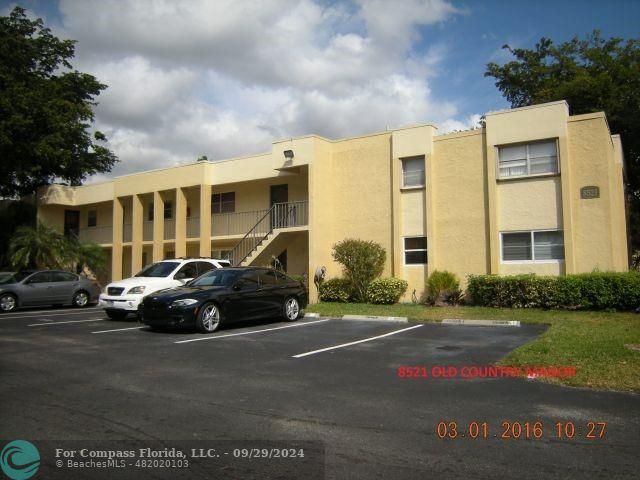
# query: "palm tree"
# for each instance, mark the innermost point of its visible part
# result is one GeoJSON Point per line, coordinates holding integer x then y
{"type": "Point", "coordinates": [89, 255]}
{"type": "Point", "coordinates": [44, 247]}
{"type": "Point", "coordinates": [40, 247]}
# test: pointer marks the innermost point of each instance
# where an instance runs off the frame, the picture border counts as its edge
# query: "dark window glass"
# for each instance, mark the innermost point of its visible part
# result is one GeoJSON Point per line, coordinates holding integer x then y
{"type": "Point", "coordinates": [150, 213]}
{"type": "Point", "coordinates": [63, 277]}
{"type": "Point", "coordinates": [92, 218]}
{"type": "Point", "coordinates": [223, 202]}
{"type": "Point", "coordinates": [189, 270]}
{"type": "Point", "coordinates": [40, 277]}
{"type": "Point", "coordinates": [516, 246]}
{"type": "Point", "coordinates": [268, 277]}
{"type": "Point", "coordinates": [204, 267]}
{"type": "Point", "coordinates": [160, 269]}
{"type": "Point", "coordinates": [250, 279]}
{"type": "Point", "coordinates": [415, 251]}
{"type": "Point", "coordinates": [415, 258]}
{"type": "Point", "coordinates": [168, 210]}
{"type": "Point", "coordinates": [218, 277]}
{"type": "Point", "coordinates": [415, 243]}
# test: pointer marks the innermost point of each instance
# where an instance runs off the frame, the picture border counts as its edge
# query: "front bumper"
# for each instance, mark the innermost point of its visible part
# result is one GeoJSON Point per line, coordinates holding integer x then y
{"type": "Point", "coordinates": [168, 317]}
{"type": "Point", "coordinates": [129, 303]}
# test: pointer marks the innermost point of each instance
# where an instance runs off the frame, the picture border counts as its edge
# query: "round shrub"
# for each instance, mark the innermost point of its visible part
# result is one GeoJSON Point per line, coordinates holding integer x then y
{"type": "Point", "coordinates": [335, 290]}
{"type": "Point", "coordinates": [361, 261]}
{"type": "Point", "coordinates": [386, 290]}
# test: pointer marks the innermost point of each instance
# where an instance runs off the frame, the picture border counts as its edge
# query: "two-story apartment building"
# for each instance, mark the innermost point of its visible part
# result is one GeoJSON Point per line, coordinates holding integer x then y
{"type": "Point", "coordinates": [534, 190]}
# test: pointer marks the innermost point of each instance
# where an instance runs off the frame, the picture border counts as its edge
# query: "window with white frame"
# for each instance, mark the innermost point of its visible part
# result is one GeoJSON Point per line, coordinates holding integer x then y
{"type": "Point", "coordinates": [535, 158]}
{"type": "Point", "coordinates": [415, 250]}
{"type": "Point", "coordinates": [533, 246]}
{"type": "Point", "coordinates": [413, 172]}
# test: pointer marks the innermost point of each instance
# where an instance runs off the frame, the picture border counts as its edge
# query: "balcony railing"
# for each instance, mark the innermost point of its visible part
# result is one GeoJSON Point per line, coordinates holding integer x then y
{"type": "Point", "coordinates": [97, 234]}
{"type": "Point", "coordinates": [280, 215]}
{"type": "Point", "coordinates": [193, 227]}
{"type": "Point", "coordinates": [223, 224]}
{"type": "Point", "coordinates": [169, 229]}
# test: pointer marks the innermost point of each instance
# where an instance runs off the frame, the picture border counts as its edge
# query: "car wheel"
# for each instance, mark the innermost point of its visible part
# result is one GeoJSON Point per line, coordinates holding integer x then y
{"type": "Point", "coordinates": [116, 315]}
{"type": "Point", "coordinates": [80, 299]}
{"type": "Point", "coordinates": [8, 302]}
{"type": "Point", "coordinates": [291, 309]}
{"type": "Point", "coordinates": [208, 318]}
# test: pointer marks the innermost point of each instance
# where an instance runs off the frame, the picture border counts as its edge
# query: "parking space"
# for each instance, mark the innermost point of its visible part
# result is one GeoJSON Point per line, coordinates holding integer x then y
{"type": "Point", "coordinates": [74, 374]}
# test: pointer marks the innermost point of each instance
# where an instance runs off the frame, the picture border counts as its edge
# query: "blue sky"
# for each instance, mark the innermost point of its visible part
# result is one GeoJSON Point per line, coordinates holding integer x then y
{"type": "Point", "coordinates": [225, 78]}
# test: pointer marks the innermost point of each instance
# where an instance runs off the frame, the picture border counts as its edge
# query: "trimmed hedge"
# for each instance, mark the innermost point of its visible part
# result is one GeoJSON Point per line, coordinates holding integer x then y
{"type": "Point", "coordinates": [386, 291]}
{"type": "Point", "coordinates": [336, 290]}
{"type": "Point", "coordinates": [586, 291]}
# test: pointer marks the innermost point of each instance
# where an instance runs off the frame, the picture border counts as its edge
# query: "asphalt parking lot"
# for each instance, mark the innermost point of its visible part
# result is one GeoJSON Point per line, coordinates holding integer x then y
{"type": "Point", "coordinates": [69, 374]}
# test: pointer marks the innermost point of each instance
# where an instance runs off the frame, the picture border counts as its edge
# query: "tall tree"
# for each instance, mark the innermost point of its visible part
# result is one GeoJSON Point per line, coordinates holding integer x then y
{"type": "Point", "coordinates": [593, 74]}
{"type": "Point", "coordinates": [46, 110]}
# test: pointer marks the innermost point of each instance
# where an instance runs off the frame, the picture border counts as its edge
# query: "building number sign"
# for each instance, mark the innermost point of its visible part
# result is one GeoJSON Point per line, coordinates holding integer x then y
{"type": "Point", "coordinates": [590, 192]}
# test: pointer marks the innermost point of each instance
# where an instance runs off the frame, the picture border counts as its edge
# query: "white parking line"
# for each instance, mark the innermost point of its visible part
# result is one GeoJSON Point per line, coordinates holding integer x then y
{"type": "Point", "coordinates": [60, 323]}
{"type": "Point", "coordinates": [253, 331]}
{"type": "Point", "coordinates": [300, 355]}
{"type": "Point", "coordinates": [46, 314]}
{"type": "Point", "coordinates": [118, 330]}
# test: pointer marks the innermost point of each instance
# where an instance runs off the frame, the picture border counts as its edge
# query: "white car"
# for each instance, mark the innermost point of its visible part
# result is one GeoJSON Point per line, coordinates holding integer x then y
{"type": "Point", "coordinates": [124, 296]}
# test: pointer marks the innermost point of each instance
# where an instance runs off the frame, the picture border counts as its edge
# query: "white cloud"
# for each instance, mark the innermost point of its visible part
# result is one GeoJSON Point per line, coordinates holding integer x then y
{"type": "Point", "coordinates": [225, 78]}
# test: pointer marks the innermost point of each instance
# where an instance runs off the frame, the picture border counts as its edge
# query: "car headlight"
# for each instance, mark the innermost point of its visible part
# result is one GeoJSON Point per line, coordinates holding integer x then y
{"type": "Point", "coordinates": [184, 302]}
{"type": "Point", "coordinates": [136, 290]}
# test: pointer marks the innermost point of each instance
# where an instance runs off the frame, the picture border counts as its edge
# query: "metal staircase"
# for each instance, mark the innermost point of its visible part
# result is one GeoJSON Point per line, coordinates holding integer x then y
{"type": "Point", "coordinates": [280, 217]}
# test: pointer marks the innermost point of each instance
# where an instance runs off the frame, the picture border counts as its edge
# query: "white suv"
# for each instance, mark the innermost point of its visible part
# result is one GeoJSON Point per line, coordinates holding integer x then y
{"type": "Point", "coordinates": [123, 297]}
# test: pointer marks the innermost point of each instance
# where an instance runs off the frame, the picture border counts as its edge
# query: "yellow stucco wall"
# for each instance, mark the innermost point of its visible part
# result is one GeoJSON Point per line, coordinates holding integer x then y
{"type": "Point", "coordinates": [599, 223]}
{"type": "Point", "coordinates": [530, 204]}
{"type": "Point", "coordinates": [460, 205]}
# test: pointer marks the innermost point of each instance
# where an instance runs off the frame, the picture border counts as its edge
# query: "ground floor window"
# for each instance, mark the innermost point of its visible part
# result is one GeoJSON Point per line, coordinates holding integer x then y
{"type": "Point", "coordinates": [415, 250]}
{"type": "Point", "coordinates": [532, 246]}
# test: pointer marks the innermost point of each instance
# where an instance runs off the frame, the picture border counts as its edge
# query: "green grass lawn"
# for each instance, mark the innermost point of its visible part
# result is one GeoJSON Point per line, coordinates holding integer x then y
{"type": "Point", "coordinates": [593, 342]}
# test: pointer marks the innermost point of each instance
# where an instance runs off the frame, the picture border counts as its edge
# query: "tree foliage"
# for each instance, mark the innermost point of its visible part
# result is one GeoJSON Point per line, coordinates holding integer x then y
{"type": "Point", "coordinates": [594, 74]}
{"type": "Point", "coordinates": [361, 261]}
{"type": "Point", "coordinates": [43, 247]}
{"type": "Point", "coordinates": [46, 110]}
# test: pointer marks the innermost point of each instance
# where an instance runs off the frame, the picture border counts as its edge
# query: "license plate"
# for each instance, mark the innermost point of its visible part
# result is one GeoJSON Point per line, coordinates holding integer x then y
{"type": "Point", "coordinates": [109, 303]}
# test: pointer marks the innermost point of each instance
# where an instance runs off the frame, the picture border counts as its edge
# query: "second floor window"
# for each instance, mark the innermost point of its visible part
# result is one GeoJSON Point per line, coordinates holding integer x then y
{"type": "Point", "coordinates": [522, 160]}
{"type": "Point", "coordinates": [168, 210]}
{"type": "Point", "coordinates": [92, 218]}
{"type": "Point", "coordinates": [413, 172]}
{"type": "Point", "coordinates": [223, 202]}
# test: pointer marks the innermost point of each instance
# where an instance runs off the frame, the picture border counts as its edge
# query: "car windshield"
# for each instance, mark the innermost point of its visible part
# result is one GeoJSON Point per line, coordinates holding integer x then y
{"type": "Point", "coordinates": [6, 278]}
{"type": "Point", "coordinates": [160, 269]}
{"type": "Point", "coordinates": [216, 278]}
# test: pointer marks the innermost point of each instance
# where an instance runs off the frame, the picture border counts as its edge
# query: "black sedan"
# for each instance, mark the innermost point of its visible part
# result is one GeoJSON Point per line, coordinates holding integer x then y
{"type": "Point", "coordinates": [225, 295]}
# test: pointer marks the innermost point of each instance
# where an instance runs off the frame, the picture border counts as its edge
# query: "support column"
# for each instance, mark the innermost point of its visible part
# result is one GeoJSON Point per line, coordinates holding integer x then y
{"type": "Point", "coordinates": [205, 220]}
{"type": "Point", "coordinates": [181, 223]}
{"type": "Point", "coordinates": [136, 234]}
{"type": "Point", "coordinates": [158, 227]}
{"type": "Point", "coordinates": [116, 243]}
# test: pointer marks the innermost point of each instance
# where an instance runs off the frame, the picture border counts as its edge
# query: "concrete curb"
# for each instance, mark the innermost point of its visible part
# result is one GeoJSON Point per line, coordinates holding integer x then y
{"type": "Point", "coordinates": [481, 323]}
{"type": "Point", "coordinates": [376, 318]}
{"type": "Point", "coordinates": [311, 315]}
